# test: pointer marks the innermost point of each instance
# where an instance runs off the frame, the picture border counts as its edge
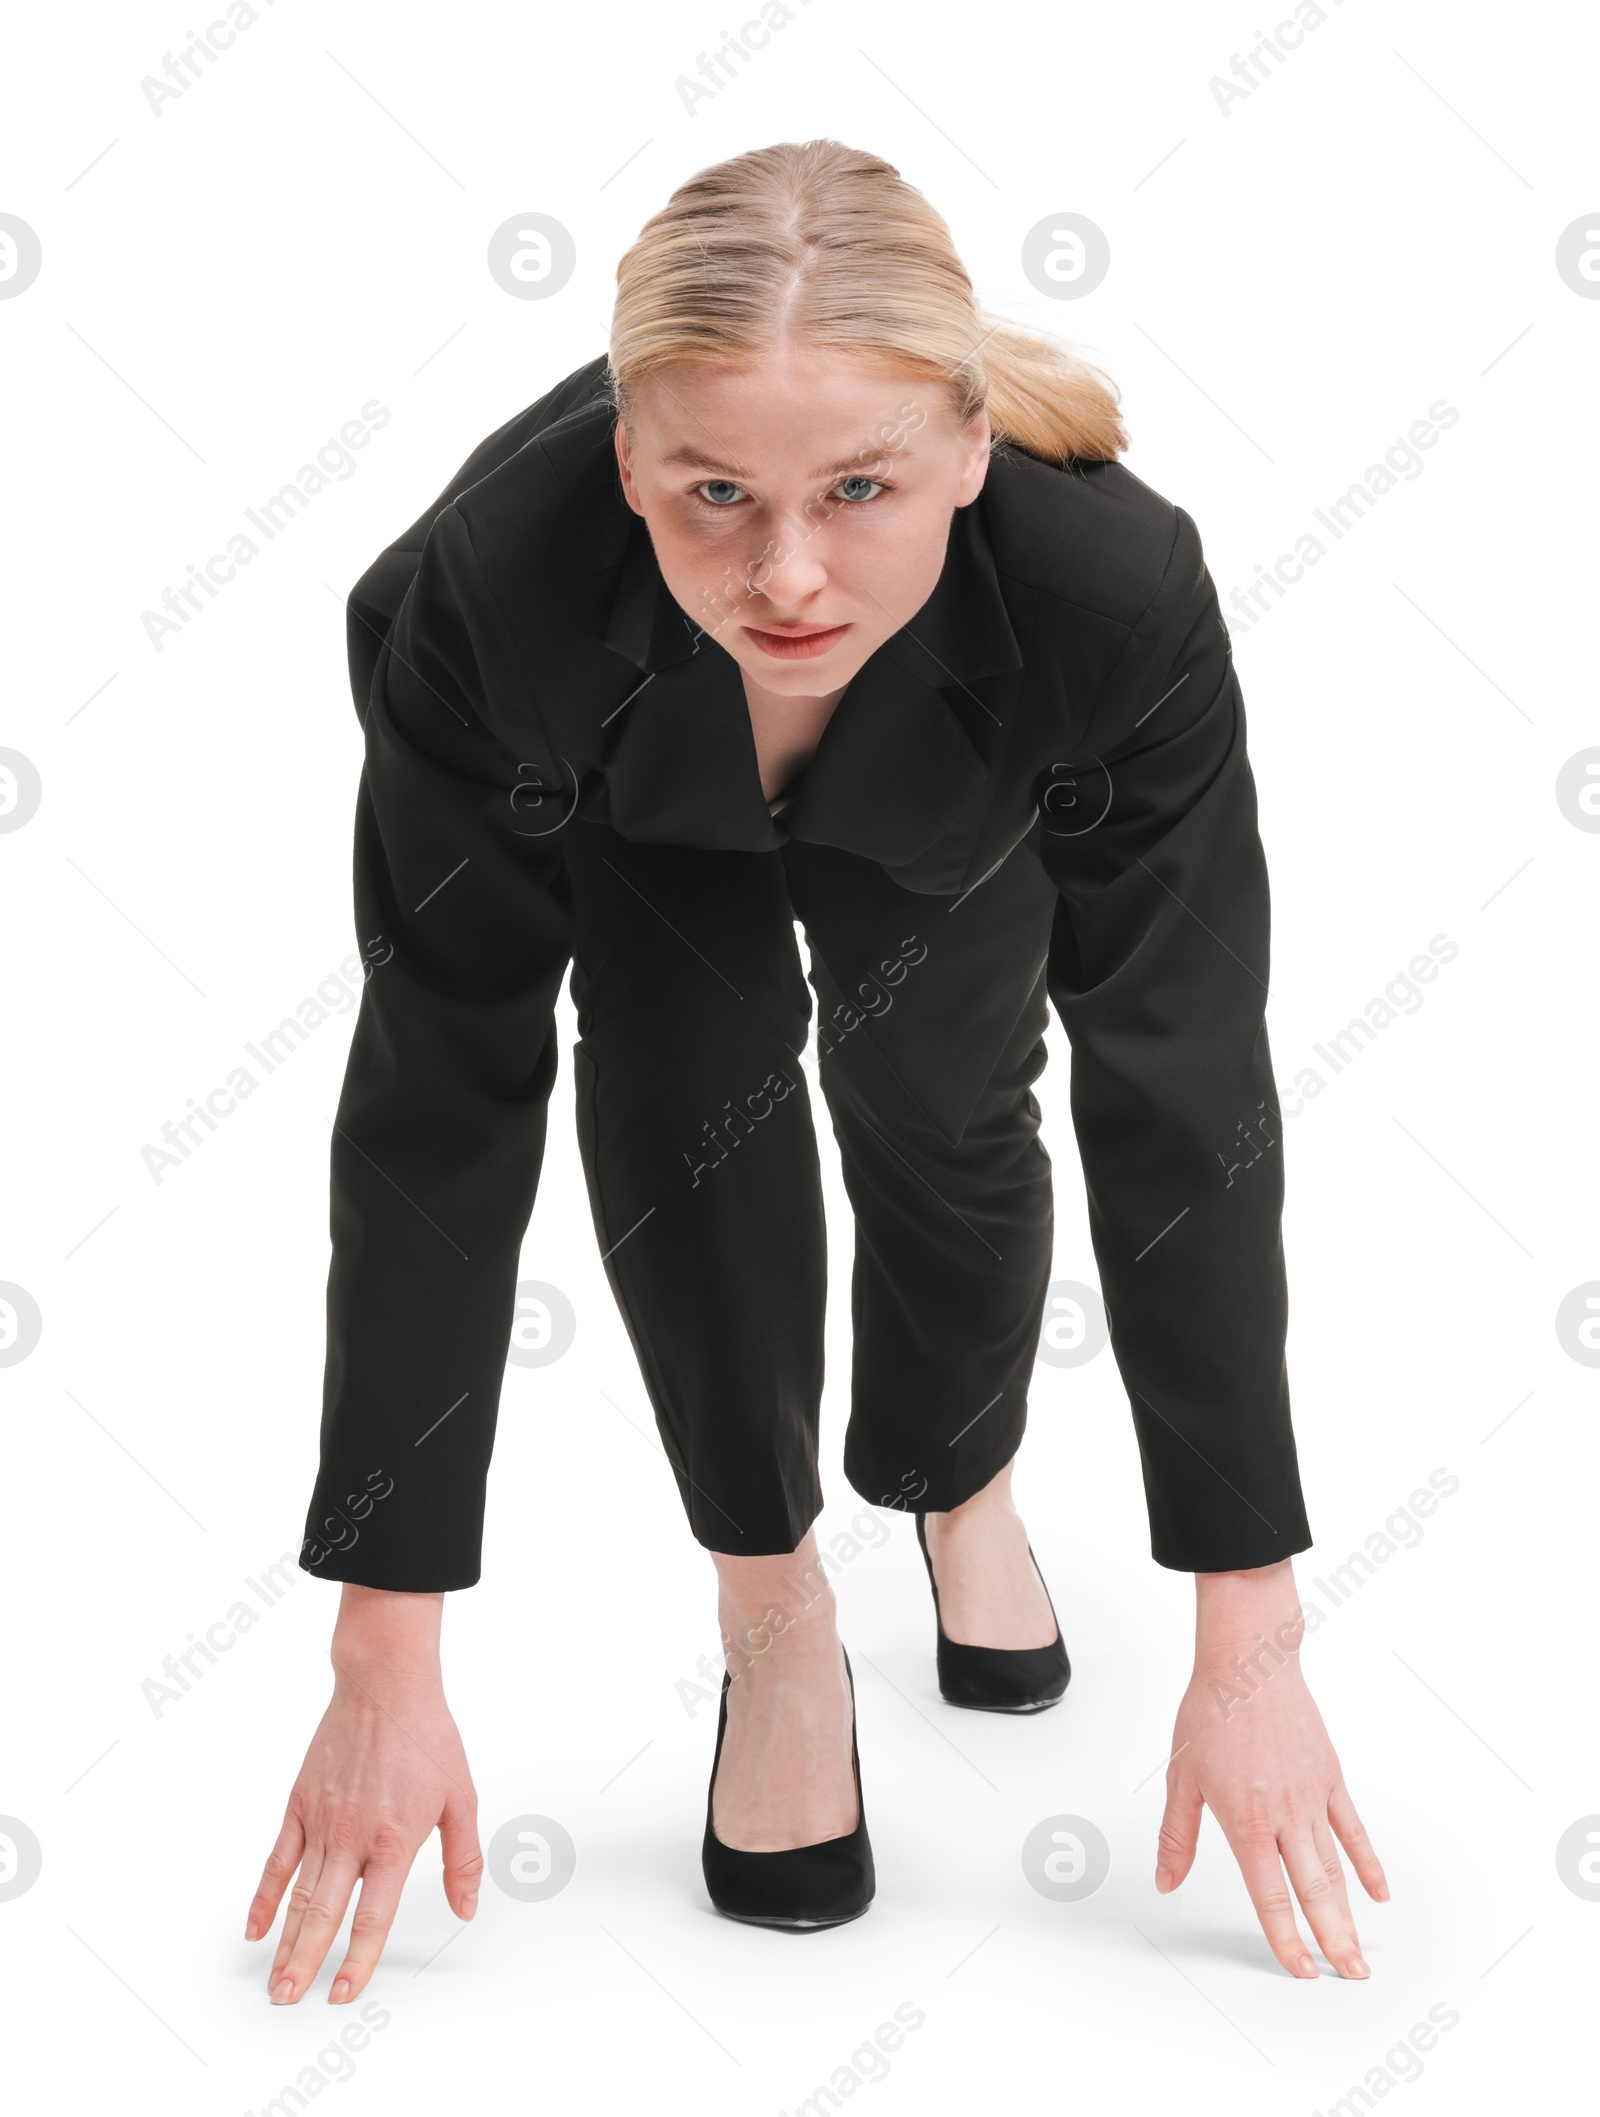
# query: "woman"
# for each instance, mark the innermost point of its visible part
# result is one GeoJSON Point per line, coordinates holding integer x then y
{"type": "Point", "coordinates": [824, 598]}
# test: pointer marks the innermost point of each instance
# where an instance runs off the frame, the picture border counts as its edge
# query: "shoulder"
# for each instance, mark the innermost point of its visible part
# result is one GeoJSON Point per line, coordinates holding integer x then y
{"type": "Point", "coordinates": [1091, 539]}
{"type": "Point", "coordinates": [1110, 597]}
{"type": "Point", "coordinates": [511, 475]}
{"type": "Point", "coordinates": [509, 496]}
{"type": "Point", "coordinates": [583, 393]}
{"type": "Point", "coordinates": [546, 504]}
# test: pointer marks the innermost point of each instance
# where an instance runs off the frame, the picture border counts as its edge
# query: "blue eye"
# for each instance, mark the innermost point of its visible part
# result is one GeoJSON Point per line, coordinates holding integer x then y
{"type": "Point", "coordinates": [858, 478]}
{"type": "Point", "coordinates": [718, 492]}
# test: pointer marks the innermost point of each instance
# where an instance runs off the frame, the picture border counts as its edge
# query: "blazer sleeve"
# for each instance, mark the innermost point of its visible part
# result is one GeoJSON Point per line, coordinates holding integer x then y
{"type": "Point", "coordinates": [1158, 969]}
{"type": "Point", "coordinates": [464, 920]}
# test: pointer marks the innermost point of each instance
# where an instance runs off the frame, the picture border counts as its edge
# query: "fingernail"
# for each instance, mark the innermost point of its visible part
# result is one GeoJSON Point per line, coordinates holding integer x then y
{"type": "Point", "coordinates": [283, 1991]}
{"type": "Point", "coordinates": [1163, 1880]}
{"type": "Point", "coordinates": [1305, 1967]}
{"type": "Point", "coordinates": [469, 1905]}
{"type": "Point", "coordinates": [1355, 1967]}
{"type": "Point", "coordinates": [341, 1990]}
{"type": "Point", "coordinates": [251, 1930]}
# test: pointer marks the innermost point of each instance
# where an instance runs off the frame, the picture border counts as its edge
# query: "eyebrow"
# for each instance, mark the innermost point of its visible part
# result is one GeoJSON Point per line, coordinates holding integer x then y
{"type": "Point", "coordinates": [699, 460]}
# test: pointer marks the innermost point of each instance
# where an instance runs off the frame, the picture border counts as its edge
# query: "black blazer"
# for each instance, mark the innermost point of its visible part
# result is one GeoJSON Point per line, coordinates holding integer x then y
{"type": "Point", "coordinates": [1068, 686]}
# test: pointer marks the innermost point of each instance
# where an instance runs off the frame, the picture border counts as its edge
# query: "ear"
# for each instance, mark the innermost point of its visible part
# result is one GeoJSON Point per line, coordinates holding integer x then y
{"type": "Point", "coordinates": [630, 490]}
{"type": "Point", "coordinates": [979, 438]}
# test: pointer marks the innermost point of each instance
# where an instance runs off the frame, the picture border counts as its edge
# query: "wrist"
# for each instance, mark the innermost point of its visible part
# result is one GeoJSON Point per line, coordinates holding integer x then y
{"type": "Point", "coordinates": [1236, 1611]}
{"type": "Point", "coordinates": [385, 1630]}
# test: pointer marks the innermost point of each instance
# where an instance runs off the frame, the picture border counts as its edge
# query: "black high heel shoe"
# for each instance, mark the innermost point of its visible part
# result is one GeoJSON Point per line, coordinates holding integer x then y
{"type": "Point", "coordinates": [804, 1886]}
{"type": "Point", "coordinates": [998, 1679]}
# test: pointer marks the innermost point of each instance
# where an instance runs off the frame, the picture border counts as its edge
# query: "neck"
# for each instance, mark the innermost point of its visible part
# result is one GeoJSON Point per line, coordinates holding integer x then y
{"type": "Point", "coordinates": [786, 731]}
{"type": "Point", "coordinates": [814, 706]}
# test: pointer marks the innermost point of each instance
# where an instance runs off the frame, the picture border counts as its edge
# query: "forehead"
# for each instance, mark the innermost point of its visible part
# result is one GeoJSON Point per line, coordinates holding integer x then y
{"type": "Point", "coordinates": [808, 414]}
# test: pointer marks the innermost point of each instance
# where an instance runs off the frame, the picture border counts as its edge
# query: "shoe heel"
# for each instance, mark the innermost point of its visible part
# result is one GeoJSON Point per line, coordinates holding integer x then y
{"type": "Point", "coordinates": [998, 1679]}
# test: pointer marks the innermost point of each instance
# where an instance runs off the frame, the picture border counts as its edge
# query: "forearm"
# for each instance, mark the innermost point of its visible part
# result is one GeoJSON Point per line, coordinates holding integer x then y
{"type": "Point", "coordinates": [1195, 1287]}
{"type": "Point", "coordinates": [1171, 1072]}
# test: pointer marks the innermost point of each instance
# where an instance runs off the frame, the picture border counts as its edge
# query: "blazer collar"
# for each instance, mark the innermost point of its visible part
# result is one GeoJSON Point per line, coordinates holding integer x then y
{"type": "Point", "coordinates": [904, 764]}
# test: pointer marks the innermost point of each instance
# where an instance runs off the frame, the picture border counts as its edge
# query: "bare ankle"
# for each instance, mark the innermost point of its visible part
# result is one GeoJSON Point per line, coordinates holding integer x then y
{"type": "Point", "coordinates": [781, 1599]}
{"type": "Point", "coordinates": [990, 1504]}
{"type": "Point", "coordinates": [779, 1635]}
{"type": "Point", "coordinates": [985, 1517]}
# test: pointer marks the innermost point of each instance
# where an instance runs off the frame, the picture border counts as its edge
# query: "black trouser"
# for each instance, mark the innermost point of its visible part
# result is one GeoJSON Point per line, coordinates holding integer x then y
{"type": "Point", "coordinates": [695, 1127]}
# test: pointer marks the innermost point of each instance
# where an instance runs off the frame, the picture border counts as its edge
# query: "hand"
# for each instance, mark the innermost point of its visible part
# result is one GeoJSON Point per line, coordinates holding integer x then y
{"type": "Point", "coordinates": [1250, 1745]}
{"type": "Point", "coordinates": [385, 1765]}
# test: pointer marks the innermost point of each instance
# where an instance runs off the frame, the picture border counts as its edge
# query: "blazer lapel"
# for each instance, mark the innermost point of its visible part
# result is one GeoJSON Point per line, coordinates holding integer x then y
{"type": "Point", "coordinates": [677, 753]}
{"type": "Point", "coordinates": [904, 769]}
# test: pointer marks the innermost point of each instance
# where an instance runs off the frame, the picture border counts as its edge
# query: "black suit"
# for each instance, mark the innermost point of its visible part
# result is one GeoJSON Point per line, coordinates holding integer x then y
{"type": "Point", "coordinates": [1039, 787]}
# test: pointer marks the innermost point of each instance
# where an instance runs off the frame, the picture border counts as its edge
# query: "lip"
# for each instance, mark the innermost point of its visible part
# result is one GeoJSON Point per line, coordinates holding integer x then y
{"type": "Point", "coordinates": [797, 645]}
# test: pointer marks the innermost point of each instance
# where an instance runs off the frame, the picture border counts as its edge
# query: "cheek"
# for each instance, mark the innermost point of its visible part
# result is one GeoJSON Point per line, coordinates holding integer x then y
{"type": "Point", "coordinates": [898, 560]}
{"type": "Point", "coordinates": [699, 570]}
{"type": "Point", "coordinates": [705, 549]}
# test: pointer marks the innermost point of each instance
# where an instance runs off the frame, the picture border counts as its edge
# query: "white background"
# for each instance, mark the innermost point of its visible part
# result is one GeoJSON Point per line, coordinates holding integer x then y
{"type": "Point", "coordinates": [1292, 285]}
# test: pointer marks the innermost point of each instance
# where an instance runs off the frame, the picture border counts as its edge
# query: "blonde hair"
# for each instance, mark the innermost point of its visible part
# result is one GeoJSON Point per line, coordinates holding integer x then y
{"type": "Point", "coordinates": [828, 246]}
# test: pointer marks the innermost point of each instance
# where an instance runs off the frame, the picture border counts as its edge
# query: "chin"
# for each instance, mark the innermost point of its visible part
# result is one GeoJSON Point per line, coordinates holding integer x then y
{"type": "Point", "coordinates": [803, 679]}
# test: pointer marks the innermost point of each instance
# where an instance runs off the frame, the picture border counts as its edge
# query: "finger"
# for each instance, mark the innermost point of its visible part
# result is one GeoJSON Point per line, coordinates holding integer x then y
{"type": "Point", "coordinates": [381, 1886]}
{"type": "Point", "coordinates": [312, 1861]}
{"type": "Point", "coordinates": [1319, 1884]}
{"type": "Point", "coordinates": [463, 1855]}
{"type": "Point", "coordinates": [319, 1927]}
{"type": "Point", "coordinates": [1353, 1837]}
{"type": "Point", "coordinates": [1328, 1853]}
{"type": "Point", "coordinates": [1255, 1847]}
{"type": "Point", "coordinates": [282, 1861]}
{"type": "Point", "coordinates": [1180, 1833]}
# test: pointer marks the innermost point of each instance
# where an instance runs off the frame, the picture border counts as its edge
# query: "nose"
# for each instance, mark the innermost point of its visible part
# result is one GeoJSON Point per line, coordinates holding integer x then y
{"type": "Point", "coordinates": [788, 572]}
